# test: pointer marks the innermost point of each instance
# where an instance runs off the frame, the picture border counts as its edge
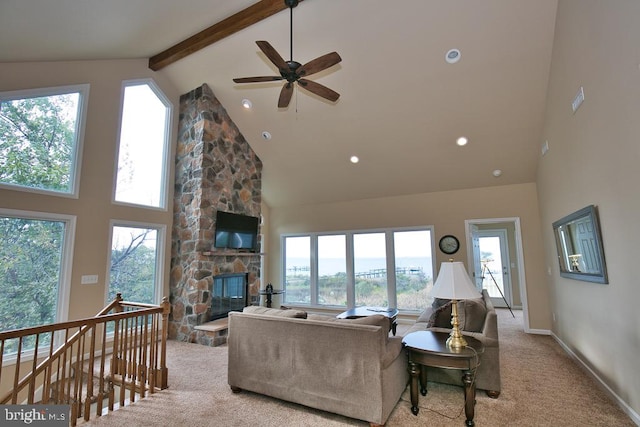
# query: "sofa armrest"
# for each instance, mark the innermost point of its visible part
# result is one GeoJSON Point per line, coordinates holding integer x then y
{"type": "Point", "coordinates": [490, 329]}
{"type": "Point", "coordinates": [425, 315]}
{"type": "Point", "coordinates": [391, 351]}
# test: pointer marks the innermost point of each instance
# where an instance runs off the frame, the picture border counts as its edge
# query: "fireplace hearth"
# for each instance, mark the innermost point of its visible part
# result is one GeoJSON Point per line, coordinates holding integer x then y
{"type": "Point", "coordinates": [228, 293]}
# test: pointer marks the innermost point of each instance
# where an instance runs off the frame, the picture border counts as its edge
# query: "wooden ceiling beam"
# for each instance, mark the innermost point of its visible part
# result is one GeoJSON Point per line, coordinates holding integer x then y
{"type": "Point", "coordinates": [241, 20]}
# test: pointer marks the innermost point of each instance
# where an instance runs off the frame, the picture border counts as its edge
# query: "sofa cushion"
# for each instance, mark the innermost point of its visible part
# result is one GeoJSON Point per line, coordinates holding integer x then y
{"type": "Point", "coordinates": [256, 309]}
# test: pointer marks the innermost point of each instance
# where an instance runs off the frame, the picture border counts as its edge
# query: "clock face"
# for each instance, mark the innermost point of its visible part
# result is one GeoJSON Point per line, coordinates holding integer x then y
{"type": "Point", "coordinates": [449, 244]}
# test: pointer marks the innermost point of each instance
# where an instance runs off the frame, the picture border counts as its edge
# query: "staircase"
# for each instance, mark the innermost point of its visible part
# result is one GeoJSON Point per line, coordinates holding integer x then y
{"type": "Point", "coordinates": [94, 365]}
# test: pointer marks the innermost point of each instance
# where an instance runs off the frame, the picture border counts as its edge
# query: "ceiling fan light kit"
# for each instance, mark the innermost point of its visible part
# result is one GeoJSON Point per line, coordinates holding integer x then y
{"type": "Point", "coordinates": [292, 71]}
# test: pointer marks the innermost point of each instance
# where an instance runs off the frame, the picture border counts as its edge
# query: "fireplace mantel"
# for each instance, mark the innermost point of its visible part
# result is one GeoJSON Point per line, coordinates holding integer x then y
{"type": "Point", "coordinates": [231, 253]}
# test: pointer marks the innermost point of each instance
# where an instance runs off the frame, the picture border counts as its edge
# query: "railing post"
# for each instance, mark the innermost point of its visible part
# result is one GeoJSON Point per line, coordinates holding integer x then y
{"type": "Point", "coordinates": [118, 306]}
{"type": "Point", "coordinates": [130, 365]}
{"type": "Point", "coordinates": [164, 372]}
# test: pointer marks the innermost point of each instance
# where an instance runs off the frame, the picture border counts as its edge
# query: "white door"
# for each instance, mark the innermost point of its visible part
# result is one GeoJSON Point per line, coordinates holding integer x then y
{"type": "Point", "coordinates": [493, 251]}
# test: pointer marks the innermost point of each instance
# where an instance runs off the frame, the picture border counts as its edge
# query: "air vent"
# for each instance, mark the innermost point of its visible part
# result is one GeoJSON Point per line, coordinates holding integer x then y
{"type": "Point", "coordinates": [577, 101]}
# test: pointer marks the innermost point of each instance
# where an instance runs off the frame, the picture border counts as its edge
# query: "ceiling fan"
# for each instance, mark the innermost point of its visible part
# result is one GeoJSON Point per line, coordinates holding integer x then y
{"type": "Point", "coordinates": [293, 71]}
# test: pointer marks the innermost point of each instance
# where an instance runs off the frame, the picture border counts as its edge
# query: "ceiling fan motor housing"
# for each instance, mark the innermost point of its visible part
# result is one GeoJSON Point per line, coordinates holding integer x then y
{"type": "Point", "coordinates": [291, 76]}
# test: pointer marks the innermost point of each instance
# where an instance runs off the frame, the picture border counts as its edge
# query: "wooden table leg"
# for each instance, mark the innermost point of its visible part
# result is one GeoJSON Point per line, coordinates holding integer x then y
{"type": "Point", "coordinates": [469, 397]}
{"type": "Point", "coordinates": [423, 380]}
{"type": "Point", "coordinates": [414, 371]}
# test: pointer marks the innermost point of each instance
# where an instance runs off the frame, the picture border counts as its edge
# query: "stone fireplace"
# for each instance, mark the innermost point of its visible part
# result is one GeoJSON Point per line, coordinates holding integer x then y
{"type": "Point", "coordinates": [216, 169]}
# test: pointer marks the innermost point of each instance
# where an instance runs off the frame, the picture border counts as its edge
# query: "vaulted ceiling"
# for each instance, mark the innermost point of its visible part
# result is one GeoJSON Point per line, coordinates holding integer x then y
{"type": "Point", "coordinates": [402, 106]}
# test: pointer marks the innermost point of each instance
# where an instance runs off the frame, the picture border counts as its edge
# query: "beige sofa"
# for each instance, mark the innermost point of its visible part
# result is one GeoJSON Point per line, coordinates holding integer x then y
{"type": "Point", "coordinates": [477, 319]}
{"type": "Point", "coordinates": [348, 367]}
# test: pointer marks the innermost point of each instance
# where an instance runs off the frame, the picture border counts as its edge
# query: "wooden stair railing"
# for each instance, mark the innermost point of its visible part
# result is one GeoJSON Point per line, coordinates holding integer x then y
{"type": "Point", "coordinates": [123, 347]}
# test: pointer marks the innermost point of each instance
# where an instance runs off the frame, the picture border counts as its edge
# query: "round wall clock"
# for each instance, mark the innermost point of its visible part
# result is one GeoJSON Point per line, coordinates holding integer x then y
{"type": "Point", "coordinates": [449, 244]}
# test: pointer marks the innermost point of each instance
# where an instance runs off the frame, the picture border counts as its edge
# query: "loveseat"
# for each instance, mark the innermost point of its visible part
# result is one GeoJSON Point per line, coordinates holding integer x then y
{"type": "Point", "coordinates": [350, 367]}
{"type": "Point", "coordinates": [477, 319]}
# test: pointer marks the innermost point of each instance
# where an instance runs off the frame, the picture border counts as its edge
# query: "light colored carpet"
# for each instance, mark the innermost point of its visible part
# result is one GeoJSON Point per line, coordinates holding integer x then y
{"type": "Point", "coordinates": [541, 386]}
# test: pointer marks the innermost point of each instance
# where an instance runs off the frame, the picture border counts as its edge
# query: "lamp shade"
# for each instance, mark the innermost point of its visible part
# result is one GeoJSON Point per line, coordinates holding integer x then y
{"type": "Point", "coordinates": [453, 282]}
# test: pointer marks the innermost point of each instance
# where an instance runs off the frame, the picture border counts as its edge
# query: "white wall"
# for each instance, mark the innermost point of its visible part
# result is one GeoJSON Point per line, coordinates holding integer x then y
{"type": "Point", "coordinates": [446, 211]}
{"type": "Point", "coordinates": [594, 158]}
{"type": "Point", "coordinates": [93, 207]}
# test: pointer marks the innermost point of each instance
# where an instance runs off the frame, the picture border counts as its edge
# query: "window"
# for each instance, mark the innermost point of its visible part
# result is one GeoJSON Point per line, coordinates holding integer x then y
{"type": "Point", "coordinates": [35, 267]}
{"type": "Point", "coordinates": [41, 138]}
{"type": "Point", "coordinates": [332, 270]}
{"type": "Point", "coordinates": [374, 268]}
{"type": "Point", "coordinates": [298, 268]}
{"type": "Point", "coordinates": [370, 266]}
{"type": "Point", "coordinates": [143, 150]}
{"type": "Point", "coordinates": [135, 267]}
{"type": "Point", "coordinates": [413, 267]}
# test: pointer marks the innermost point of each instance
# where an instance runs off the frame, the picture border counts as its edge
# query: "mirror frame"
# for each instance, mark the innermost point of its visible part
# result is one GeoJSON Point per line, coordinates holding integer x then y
{"type": "Point", "coordinates": [571, 267]}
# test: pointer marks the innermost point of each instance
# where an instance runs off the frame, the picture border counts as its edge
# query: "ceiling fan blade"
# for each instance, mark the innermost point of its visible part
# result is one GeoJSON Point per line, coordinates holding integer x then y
{"type": "Point", "coordinates": [273, 55]}
{"type": "Point", "coordinates": [257, 79]}
{"type": "Point", "coordinates": [285, 95]}
{"type": "Point", "coordinates": [319, 90]}
{"type": "Point", "coordinates": [321, 63]}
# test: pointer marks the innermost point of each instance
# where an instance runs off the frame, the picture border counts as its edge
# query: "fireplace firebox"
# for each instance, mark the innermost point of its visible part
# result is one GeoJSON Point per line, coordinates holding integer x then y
{"type": "Point", "coordinates": [228, 293]}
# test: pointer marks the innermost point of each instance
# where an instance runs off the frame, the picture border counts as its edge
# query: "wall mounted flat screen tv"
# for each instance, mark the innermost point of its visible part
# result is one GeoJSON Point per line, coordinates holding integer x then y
{"type": "Point", "coordinates": [235, 231]}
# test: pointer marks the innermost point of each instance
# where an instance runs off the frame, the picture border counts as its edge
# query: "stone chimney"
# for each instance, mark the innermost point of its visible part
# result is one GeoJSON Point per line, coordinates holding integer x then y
{"type": "Point", "coordinates": [216, 169]}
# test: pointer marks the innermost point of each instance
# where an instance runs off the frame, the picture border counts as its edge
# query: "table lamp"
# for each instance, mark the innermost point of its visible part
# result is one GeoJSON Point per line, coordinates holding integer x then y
{"type": "Point", "coordinates": [454, 283]}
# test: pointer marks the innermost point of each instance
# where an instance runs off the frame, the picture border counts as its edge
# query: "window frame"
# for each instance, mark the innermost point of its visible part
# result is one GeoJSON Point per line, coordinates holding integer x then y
{"type": "Point", "coordinates": [161, 229]}
{"type": "Point", "coordinates": [76, 163]}
{"type": "Point", "coordinates": [66, 269]}
{"type": "Point", "coordinates": [349, 234]}
{"type": "Point", "coordinates": [166, 150]}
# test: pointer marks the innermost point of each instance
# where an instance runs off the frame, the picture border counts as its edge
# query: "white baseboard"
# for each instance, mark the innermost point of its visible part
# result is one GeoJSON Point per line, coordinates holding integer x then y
{"type": "Point", "coordinates": [538, 331]}
{"type": "Point", "coordinates": [635, 417]}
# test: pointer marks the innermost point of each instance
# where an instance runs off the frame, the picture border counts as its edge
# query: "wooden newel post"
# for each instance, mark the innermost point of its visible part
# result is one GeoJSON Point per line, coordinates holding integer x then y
{"type": "Point", "coordinates": [164, 372]}
{"type": "Point", "coordinates": [117, 308]}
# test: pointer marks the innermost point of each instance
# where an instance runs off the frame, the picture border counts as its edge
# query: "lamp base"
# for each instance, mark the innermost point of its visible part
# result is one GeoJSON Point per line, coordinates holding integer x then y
{"type": "Point", "coordinates": [455, 341]}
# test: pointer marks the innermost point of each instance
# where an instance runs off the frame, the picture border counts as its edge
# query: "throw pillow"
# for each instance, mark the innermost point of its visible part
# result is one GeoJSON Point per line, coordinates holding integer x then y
{"type": "Point", "coordinates": [298, 314]}
{"type": "Point", "coordinates": [439, 302]}
{"type": "Point", "coordinates": [472, 314]}
{"type": "Point", "coordinates": [375, 320]}
{"type": "Point", "coordinates": [441, 317]}
{"type": "Point", "coordinates": [321, 317]}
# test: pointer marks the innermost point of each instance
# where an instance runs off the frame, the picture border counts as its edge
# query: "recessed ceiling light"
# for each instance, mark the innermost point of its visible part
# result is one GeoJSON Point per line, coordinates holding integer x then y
{"type": "Point", "coordinates": [246, 103]}
{"type": "Point", "coordinates": [497, 173]}
{"type": "Point", "coordinates": [462, 141]}
{"type": "Point", "coordinates": [266, 135]}
{"type": "Point", "coordinates": [354, 159]}
{"type": "Point", "coordinates": [452, 56]}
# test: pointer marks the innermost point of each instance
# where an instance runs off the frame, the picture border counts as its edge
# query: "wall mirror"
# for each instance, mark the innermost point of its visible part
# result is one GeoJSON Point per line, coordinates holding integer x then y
{"type": "Point", "coordinates": [579, 245]}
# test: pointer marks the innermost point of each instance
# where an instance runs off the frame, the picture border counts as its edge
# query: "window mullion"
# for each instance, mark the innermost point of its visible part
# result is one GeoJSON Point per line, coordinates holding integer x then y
{"type": "Point", "coordinates": [313, 279]}
{"type": "Point", "coordinates": [351, 281]}
{"type": "Point", "coordinates": [391, 270]}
